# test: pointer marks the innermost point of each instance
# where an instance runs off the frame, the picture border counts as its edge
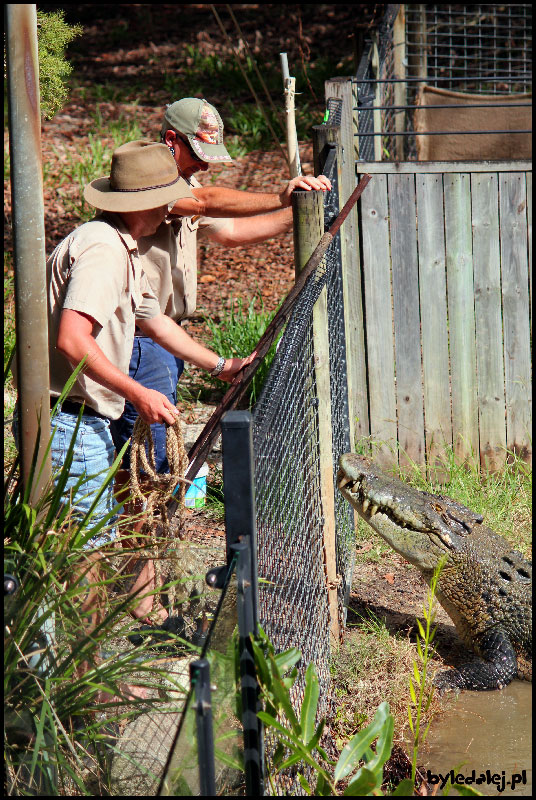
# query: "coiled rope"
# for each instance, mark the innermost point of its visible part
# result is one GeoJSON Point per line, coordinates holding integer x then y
{"type": "Point", "coordinates": [163, 485]}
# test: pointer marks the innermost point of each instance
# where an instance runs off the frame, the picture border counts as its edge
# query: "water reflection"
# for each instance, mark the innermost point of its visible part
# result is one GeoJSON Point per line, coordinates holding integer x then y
{"type": "Point", "coordinates": [489, 731]}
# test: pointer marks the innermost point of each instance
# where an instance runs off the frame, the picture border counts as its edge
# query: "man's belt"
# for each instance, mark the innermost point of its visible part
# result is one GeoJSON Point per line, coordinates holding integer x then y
{"type": "Point", "coordinates": [70, 407]}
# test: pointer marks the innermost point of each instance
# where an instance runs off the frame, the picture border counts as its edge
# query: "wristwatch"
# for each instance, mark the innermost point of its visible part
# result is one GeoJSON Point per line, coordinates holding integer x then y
{"type": "Point", "coordinates": [220, 366]}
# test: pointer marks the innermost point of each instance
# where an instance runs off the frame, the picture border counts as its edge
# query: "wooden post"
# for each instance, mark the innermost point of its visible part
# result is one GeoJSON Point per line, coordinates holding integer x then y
{"type": "Point", "coordinates": [399, 53]}
{"type": "Point", "coordinates": [351, 267]}
{"type": "Point", "coordinates": [377, 114]}
{"type": "Point", "coordinates": [308, 210]}
{"type": "Point", "coordinates": [331, 135]}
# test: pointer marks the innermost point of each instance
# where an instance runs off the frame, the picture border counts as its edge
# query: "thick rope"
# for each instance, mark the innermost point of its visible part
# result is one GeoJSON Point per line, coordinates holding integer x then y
{"type": "Point", "coordinates": [163, 486]}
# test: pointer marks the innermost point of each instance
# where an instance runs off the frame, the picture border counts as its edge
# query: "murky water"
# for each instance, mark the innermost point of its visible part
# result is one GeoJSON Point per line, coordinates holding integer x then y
{"type": "Point", "coordinates": [492, 733]}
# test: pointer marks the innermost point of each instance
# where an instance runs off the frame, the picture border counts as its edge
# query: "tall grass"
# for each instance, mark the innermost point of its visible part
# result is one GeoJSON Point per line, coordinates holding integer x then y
{"type": "Point", "coordinates": [236, 336]}
{"type": "Point", "coordinates": [56, 672]}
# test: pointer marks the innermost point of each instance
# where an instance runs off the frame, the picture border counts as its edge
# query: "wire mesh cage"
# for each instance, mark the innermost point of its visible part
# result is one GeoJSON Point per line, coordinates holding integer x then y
{"type": "Point", "coordinates": [476, 56]}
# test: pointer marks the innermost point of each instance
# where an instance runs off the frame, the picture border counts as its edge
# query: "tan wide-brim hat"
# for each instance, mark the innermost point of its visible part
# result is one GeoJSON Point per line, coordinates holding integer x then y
{"type": "Point", "coordinates": [143, 175]}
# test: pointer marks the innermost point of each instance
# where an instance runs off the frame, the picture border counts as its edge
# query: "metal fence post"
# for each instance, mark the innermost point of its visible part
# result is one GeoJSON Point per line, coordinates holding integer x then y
{"type": "Point", "coordinates": [247, 625]}
{"type": "Point", "coordinates": [240, 524]}
{"type": "Point", "coordinates": [238, 483]}
{"type": "Point", "coordinates": [29, 240]}
{"type": "Point", "coordinates": [200, 680]}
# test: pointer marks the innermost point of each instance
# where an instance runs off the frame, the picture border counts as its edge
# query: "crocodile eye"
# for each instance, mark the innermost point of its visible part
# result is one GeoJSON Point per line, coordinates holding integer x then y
{"type": "Point", "coordinates": [505, 576]}
{"type": "Point", "coordinates": [508, 561]}
{"type": "Point", "coordinates": [523, 574]}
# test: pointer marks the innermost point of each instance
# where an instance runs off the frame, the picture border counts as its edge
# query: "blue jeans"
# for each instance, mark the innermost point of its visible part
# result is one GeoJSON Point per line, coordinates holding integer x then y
{"type": "Point", "coordinates": [93, 455]}
{"type": "Point", "coordinates": [154, 368]}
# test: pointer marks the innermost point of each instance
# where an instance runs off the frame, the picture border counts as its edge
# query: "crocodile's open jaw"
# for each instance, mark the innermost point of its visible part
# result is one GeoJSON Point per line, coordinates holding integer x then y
{"type": "Point", "coordinates": [419, 530]}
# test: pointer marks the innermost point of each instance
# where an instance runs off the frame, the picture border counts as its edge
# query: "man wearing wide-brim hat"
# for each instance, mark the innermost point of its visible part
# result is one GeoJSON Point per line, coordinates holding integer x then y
{"type": "Point", "coordinates": [97, 295]}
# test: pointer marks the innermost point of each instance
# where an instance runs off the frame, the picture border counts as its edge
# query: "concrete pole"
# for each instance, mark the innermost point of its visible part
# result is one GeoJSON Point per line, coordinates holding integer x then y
{"type": "Point", "coordinates": [29, 240]}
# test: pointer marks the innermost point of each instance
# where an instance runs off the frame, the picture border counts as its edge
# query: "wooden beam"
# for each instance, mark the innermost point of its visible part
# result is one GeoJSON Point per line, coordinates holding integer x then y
{"type": "Point", "coordinates": [432, 167]}
{"type": "Point", "coordinates": [308, 210]}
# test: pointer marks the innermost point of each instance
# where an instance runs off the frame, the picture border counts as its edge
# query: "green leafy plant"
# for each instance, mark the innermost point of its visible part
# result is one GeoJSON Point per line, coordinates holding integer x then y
{"type": "Point", "coordinates": [53, 36]}
{"type": "Point", "coordinates": [9, 324]}
{"type": "Point", "coordinates": [421, 696]}
{"type": "Point", "coordinates": [299, 737]}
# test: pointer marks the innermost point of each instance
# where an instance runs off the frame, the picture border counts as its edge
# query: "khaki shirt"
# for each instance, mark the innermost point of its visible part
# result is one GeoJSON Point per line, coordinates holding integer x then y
{"type": "Point", "coordinates": [97, 270]}
{"type": "Point", "coordinates": [169, 259]}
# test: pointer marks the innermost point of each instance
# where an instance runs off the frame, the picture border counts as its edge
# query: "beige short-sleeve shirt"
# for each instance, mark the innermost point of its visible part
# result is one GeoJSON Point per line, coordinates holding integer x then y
{"type": "Point", "coordinates": [96, 270]}
{"type": "Point", "coordinates": [169, 259]}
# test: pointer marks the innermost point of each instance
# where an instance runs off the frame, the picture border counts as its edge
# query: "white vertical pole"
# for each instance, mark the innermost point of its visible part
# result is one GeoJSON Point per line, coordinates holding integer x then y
{"type": "Point", "coordinates": [292, 139]}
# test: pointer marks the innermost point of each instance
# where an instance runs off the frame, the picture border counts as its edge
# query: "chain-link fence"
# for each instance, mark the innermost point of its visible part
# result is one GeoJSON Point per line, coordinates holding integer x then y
{"type": "Point", "coordinates": [293, 596]}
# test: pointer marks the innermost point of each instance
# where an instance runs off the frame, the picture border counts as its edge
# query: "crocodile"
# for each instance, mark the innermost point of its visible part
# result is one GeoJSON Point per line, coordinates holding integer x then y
{"type": "Point", "coordinates": [484, 586]}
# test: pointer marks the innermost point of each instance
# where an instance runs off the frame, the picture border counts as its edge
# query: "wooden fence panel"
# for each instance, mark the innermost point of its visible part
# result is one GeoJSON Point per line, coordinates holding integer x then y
{"type": "Point", "coordinates": [409, 389]}
{"type": "Point", "coordinates": [379, 320]}
{"type": "Point", "coordinates": [460, 295]}
{"type": "Point", "coordinates": [472, 250]}
{"type": "Point", "coordinates": [433, 302]}
{"type": "Point", "coordinates": [513, 220]}
{"type": "Point", "coordinates": [341, 88]}
{"type": "Point", "coordinates": [489, 350]}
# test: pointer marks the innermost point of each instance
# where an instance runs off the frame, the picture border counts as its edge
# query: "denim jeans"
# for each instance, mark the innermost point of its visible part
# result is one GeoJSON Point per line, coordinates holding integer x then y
{"type": "Point", "coordinates": [93, 455]}
{"type": "Point", "coordinates": [154, 368]}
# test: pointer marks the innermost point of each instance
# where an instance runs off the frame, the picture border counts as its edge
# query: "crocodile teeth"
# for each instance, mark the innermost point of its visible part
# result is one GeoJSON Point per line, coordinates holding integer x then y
{"type": "Point", "coordinates": [373, 510]}
{"type": "Point", "coordinates": [366, 504]}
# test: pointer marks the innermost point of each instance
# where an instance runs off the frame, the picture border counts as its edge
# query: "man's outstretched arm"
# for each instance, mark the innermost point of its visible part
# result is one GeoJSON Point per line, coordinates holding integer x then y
{"type": "Point", "coordinates": [219, 201]}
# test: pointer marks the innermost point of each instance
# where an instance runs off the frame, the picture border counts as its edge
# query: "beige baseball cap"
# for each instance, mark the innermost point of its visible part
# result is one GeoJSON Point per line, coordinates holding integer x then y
{"type": "Point", "coordinates": [199, 121]}
{"type": "Point", "coordinates": [143, 175]}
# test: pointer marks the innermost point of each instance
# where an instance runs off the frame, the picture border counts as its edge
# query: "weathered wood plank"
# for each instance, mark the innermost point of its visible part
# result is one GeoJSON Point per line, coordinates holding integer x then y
{"type": "Point", "coordinates": [376, 271]}
{"type": "Point", "coordinates": [488, 319]}
{"type": "Point", "coordinates": [351, 273]}
{"type": "Point", "coordinates": [461, 314]}
{"type": "Point", "coordinates": [433, 302]}
{"type": "Point", "coordinates": [409, 389]}
{"type": "Point", "coordinates": [433, 167]}
{"type": "Point", "coordinates": [513, 221]}
{"type": "Point", "coordinates": [529, 240]}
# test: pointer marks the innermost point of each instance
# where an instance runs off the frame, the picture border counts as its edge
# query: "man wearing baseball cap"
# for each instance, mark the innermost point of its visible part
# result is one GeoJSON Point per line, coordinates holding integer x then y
{"type": "Point", "coordinates": [97, 295]}
{"type": "Point", "coordinates": [192, 129]}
